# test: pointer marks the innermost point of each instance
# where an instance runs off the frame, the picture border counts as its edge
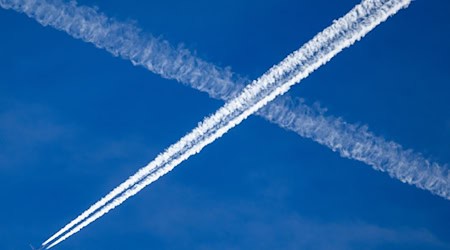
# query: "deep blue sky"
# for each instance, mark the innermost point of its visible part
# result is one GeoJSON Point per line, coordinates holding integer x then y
{"type": "Point", "coordinates": [75, 122]}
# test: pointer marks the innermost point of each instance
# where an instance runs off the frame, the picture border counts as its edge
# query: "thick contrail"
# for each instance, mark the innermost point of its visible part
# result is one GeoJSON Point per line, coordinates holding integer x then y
{"type": "Point", "coordinates": [157, 55]}
{"type": "Point", "coordinates": [127, 41]}
{"type": "Point", "coordinates": [358, 143]}
{"type": "Point", "coordinates": [278, 80]}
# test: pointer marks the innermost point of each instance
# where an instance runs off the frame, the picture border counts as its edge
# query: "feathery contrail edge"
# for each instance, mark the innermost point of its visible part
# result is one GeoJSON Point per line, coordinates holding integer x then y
{"type": "Point", "coordinates": [288, 66]}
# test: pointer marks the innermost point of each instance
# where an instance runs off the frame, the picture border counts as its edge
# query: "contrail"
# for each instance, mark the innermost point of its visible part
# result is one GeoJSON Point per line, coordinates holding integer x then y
{"type": "Point", "coordinates": [127, 41]}
{"type": "Point", "coordinates": [277, 81]}
{"type": "Point", "coordinates": [358, 143]}
{"type": "Point", "coordinates": [158, 56]}
{"type": "Point", "coordinates": [349, 140]}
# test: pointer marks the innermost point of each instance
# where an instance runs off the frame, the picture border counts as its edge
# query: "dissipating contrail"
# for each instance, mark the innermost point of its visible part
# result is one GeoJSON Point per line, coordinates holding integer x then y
{"type": "Point", "coordinates": [349, 140]}
{"type": "Point", "coordinates": [157, 55]}
{"type": "Point", "coordinates": [343, 33]}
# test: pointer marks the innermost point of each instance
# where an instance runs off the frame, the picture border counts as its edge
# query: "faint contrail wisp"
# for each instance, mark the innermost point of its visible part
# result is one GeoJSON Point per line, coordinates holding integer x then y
{"type": "Point", "coordinates": [278, 80]}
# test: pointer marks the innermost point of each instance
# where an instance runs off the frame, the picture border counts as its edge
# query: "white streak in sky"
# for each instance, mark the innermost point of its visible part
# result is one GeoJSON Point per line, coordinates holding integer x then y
{"type": "Point", "coordinates": [278, 80]}
{"type": "Point", "coordinates": [358, 143]}
{"type": "Point", "coordinates": [349, 140]}
{"type": "Point", "coordinates": [127, 41]}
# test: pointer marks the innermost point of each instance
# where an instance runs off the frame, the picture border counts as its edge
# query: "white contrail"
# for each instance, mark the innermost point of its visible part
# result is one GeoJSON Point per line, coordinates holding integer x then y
{"type": "Point", "coordinates": [157, 55]}
{"type": "Point", "coordinates": [278, 80]}
{"type": "Point", "coordinates": [127, 41]}
{"type": "Point", "coordinates": [358, 143]}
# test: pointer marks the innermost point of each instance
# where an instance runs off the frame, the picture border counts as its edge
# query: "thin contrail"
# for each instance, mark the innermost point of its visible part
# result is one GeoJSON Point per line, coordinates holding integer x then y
{"type": "Point", "coordinates": [158, 56]}
{"type": "Point", "coordinates": [127, 41]}
{"type": "Point", "coordinates": [277, 81]}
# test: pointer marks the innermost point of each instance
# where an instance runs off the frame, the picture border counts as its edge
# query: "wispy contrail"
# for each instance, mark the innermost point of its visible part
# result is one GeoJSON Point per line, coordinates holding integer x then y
{"type": "Point", "coordinates": [129, 42]}
{"type": "Point", "coordinates": [358, 143]}
{"type": "Point", "coordinates": [157, 55]}
{"type": "Point", "coordinates": [278, 80]}
{"type": "Point", "coordinates": [349, 140]}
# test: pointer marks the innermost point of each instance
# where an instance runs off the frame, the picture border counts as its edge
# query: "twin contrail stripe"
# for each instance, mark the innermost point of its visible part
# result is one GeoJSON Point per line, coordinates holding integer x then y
{"type": "Point", "coordinates": [127, 41]}
{"type": "Point", "coordinates": [278, 80]}
{"type": "Point", "coordinates": [349, 140]}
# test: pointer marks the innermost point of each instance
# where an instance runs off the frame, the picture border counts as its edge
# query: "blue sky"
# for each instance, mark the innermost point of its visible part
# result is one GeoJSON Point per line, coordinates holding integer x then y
{"type": "Point", "coordinates": [75, 122]}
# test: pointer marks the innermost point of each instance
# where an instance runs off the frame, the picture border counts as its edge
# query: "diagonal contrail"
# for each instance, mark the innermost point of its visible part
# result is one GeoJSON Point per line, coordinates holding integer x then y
{"type": "Point", "coordinates": [277, 81]}
{"type": "Point", "coordinates": [349, 140]}
{"type": "Point", "coordinates": [127, 41]}
{"type": "Point", "coordinates": [358, 143]}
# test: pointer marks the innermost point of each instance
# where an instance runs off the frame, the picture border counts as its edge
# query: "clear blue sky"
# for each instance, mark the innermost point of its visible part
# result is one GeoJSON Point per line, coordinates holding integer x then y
{"type": "Point", "coordinates": [75, 122]}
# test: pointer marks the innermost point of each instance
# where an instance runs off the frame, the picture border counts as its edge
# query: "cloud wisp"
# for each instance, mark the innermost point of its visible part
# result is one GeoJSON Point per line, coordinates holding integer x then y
{"type": "Point", "coordinates": [277, 81]}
